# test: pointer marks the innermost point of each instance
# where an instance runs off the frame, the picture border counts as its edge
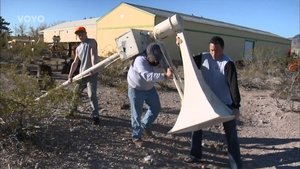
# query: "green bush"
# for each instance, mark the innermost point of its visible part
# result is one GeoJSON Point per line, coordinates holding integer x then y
{"type": "Point", "coordinates": [115, 75]}
{"type": "Point", "coordinates": [20, 113]}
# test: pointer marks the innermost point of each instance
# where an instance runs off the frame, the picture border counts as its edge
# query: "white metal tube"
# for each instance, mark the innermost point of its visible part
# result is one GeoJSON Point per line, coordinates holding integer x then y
{"type": "Point", "coordinates": [176, 78]}
{"type": "Point", "coordinates": [168, 27]}
{"type": "Point", "coordinates": [85, 73]}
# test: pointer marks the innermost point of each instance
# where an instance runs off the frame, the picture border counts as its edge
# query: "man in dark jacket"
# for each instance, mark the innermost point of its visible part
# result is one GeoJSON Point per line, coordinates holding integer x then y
{"type": "Point", "coordinates": [220, 74]}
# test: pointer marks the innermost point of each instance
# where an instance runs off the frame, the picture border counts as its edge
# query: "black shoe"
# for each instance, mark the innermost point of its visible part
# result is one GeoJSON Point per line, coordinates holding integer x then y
{"type": "Point", "coordinates": [192, 159]}
{"type": "Point", "coordinates": [96, 120]}
{"type": "Point", "coordinates": [148, 133]}
{"type": "Point", "coordinates": [138, 142]}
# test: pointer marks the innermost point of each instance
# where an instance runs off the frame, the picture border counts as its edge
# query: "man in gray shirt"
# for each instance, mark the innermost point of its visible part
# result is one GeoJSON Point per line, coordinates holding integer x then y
{"type": "Point", "coordinates": [87, 53]}
{"type": "Point", "coordinates": [142, 75]}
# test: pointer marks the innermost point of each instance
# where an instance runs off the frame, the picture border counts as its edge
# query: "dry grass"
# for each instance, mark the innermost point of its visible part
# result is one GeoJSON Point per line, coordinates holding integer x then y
{"type": "Point", "coordinates": [269, 71]}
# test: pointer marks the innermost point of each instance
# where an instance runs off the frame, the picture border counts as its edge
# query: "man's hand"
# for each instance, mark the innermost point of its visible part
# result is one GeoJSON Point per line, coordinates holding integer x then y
{"type": "Point", "coordinates": [70, 80]}
{"type": "Point", "coordinates": [178, 41]}
{"type": "Point", "coordinates": [169, 73]}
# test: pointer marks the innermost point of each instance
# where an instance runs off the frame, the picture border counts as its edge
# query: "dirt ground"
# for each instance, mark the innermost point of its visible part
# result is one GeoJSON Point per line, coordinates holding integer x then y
{"type": "Point", "coordinates": [269, 137]}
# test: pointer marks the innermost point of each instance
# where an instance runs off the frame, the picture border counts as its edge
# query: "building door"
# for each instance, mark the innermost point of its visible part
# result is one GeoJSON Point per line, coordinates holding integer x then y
{"type": "Point", "coordinates": [248, 50]}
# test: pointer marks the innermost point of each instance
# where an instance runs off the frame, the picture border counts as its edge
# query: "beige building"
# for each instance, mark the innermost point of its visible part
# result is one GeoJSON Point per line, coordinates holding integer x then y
{"type": "Point", "coordinates": [66, 30]}
{"type": "Point", "coordinates": [240, 42]}
{"type": "Point", "coordinates": [65, 34]}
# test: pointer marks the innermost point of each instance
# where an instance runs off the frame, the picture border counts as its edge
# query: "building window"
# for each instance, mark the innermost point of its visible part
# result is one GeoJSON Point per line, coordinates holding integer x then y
{"type": "Point", "coordinates": [248, 50]}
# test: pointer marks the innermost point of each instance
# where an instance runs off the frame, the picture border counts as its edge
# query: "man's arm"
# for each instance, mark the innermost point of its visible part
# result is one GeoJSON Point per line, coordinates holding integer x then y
{"type": "Point", "coordinates": [94, 52]}
{"type": "Point", "coordinates": [198, 60]}
{"type": "Point", "coordinates": [73, 67]}
{"type": "Point", "coordinates": [142, 67]}
{"type": "Point", "coordinates": [231, 75]}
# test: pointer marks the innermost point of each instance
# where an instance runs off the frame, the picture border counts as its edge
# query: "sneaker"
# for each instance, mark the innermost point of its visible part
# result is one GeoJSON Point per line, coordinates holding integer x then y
{"type": "Point", "coordinates": [192, 159]}
{"type": "Point", "coordinates": [96, 120]}
{"type": "Point", "coordinates": [148, 133]}
{"type": "Point", "coordinates": [138, 142]}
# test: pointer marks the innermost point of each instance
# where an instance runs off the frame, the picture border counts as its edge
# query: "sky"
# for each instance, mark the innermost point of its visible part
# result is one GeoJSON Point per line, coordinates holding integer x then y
{"type": "Point", "coordinates": [280, 17]}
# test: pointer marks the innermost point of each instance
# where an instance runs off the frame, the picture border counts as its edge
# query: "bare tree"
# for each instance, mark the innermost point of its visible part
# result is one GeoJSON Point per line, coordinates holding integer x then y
{"type": "Point", "coordinates": [21, 29]}
{"type": "Point", "coordinates": [33, 32]}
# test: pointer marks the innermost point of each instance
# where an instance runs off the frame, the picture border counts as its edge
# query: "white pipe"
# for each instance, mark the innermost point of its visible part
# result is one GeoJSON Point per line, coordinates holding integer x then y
{"type": "Point", "coordinates": [85, 73]}
{"type": "Point", "coordinates": [168, 27]}
{"type": "Point", "coordinates": [176, 78]}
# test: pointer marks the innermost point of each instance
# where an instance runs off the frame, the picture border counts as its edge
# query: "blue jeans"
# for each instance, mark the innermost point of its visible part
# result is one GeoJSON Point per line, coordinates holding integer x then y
{"type": "Point", "coordinates": [231, 138]}
{"type": "Point", "coordinates": [137, 99]}
{"type": "Point", "coordinates": [90, 83]}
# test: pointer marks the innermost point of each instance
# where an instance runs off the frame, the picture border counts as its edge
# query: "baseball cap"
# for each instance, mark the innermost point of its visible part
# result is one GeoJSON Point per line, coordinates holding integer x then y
{"type": "Point", "coordinates": [80, 29]}
{"type": "Point", "coordinates": [154, 53]}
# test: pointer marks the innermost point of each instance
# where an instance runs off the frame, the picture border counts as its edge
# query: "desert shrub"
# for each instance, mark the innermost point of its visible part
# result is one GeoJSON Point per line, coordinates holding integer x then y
{"type": "Point", "coordinates": [115, 75]}
{"type": "Point", "coordinates": [24, 54]}
{"type": "Point", "coordinates": [268, 70]}
{"type": "Point", "coordinates": [40, 49]}
{"type": "Point", "coordinates": [287, 94]}
{"type": "Point", "coordinates": [266, 66]}
{"type": "Point", "coordinates": [20, 113]}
